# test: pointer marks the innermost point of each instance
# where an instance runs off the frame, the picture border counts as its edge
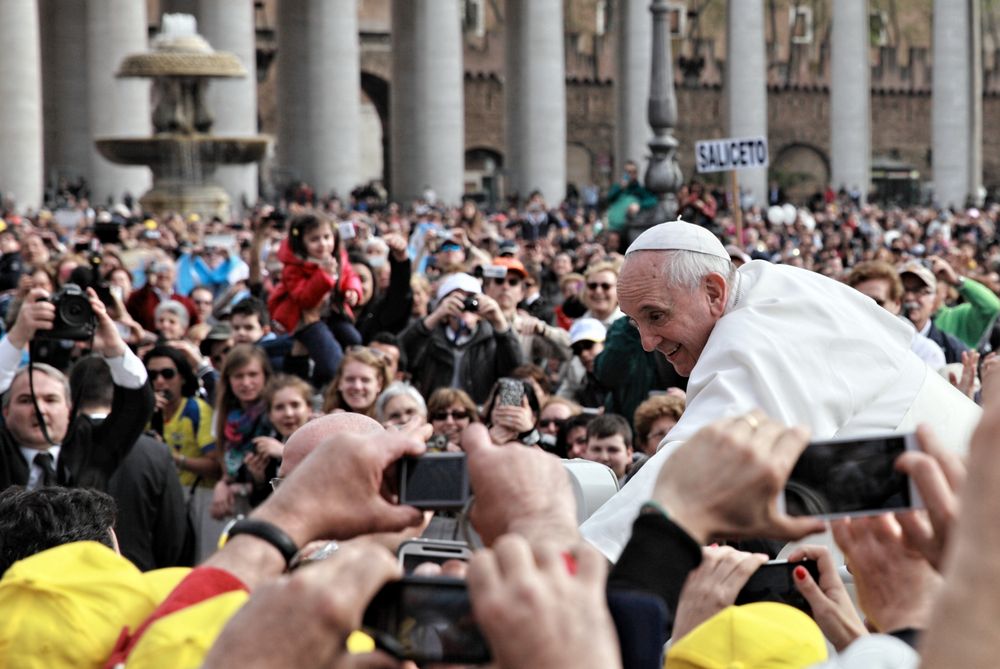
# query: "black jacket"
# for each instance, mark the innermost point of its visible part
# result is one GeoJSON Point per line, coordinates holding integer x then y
{"type": "Point", "coordinates": [952, 346]}
{"type": "Point", "coordinates": [90, 453]}
{"type": "Point", "coordinates": [484, 358]}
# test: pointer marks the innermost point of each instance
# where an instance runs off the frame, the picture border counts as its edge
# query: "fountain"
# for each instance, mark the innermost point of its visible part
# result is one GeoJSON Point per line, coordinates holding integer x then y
{"type": "Point", "coordinates": [183, 154]}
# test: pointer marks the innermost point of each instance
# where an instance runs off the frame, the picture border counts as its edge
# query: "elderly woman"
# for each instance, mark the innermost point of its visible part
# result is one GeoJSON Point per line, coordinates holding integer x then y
{"type": "Point", "coordinates": [400, 405]}
{"type": "Point", "coordinates": [451, 410]}
{"type": "Point", "coordinates": [171, 319]}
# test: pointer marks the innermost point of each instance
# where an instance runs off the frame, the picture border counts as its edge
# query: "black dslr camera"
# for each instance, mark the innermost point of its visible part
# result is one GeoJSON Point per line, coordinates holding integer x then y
{"type": "Point", "coordinates": [74, 316]}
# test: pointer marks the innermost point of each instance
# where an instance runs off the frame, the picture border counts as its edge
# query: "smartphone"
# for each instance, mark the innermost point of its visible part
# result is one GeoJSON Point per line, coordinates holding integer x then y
{"type": "Point", "coordinates": [426, 619]}
{"type": "Point", "coordinates": [416, 552]}
{"type": "Point", "coordinates": [774, 582]}
{"type": "Point", "coordinates": [346, 230]}
{"type": "Point", "coordinates": [850, 477]}
{"type": "Point", "coordinates": [435, 481]}
{"type": "Point", "coordinates": [510, 392]}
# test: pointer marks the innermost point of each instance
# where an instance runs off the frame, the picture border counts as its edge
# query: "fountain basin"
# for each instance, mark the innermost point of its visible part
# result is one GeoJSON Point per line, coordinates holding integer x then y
{"type": "Point", "coordinates": [171, 149]}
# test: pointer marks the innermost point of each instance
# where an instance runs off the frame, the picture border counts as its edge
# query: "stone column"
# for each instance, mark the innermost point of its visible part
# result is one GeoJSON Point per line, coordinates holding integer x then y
{"type": "Point", "coordinates": [65, 97]}
{"type": "Point", "coordinates": [20, 104]}
{"type": "Point", "coordinates": [850, 97]}
{"type": "Point", "coordinates": [745, 84]}
{"type": "Point", "coordinates": [118, 107]}
{"type": "Point", "coordinates": [956, 110]}
{"type": "Point", "coordinates": [634, 35]}
{"type": "Point", "coordinates": [426, 102]}
{"type": "Point", "coordinates": [535, 95]}
{"type": "Point", "coordinates": [228, 25]}
{"type": "Point", "coordinates": [319, 94]}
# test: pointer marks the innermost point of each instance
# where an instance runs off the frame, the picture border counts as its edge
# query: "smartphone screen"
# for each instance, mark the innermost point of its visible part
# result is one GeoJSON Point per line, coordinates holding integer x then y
{"type": "Point", "coordinates": [427, 620]}
{"type": "Point", "coordinates": [434, 481]}
{"type": "Point", "coordinates": [849, 477]}
{"type": "Point", "coordinates": [416, 552]}
{"type": "Point", "coordinates": [774, 582]}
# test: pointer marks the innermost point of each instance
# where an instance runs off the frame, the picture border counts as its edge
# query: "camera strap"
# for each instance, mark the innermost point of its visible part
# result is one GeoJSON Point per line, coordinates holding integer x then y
{"type": "Point", "coordinates": [74, 399]}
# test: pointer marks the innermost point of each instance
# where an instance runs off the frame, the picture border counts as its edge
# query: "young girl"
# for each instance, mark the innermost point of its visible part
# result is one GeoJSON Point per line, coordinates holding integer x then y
{"type": "Point", "coordinates": [240, 417]}
{"type": "Point", "coordinates": [314, 265]}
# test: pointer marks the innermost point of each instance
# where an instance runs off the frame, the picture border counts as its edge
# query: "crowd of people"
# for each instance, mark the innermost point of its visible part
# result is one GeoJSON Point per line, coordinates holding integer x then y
{"type": "Point", "coordinates": [165, 376]}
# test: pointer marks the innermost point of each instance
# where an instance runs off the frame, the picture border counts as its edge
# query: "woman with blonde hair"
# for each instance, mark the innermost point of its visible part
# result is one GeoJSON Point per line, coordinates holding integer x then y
{"type": "Point", "coordinates": [363, 374]}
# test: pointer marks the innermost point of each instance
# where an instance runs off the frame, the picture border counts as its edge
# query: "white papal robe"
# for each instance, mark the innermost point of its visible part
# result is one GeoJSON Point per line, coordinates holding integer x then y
{"type": "Point", "coordinates": [807, 350]}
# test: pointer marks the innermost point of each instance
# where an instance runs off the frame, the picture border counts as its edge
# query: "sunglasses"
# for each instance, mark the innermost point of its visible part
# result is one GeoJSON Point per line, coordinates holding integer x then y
{"type": "Point", "coordinates": [167, 373]}
{"type": "Point", "coordinates": [557, 422]}
{"type": "Point", "coordinates": [512, 281]}
{"type": "Point", "coordinates": [221, 355]}
{"type": "Point", "coordinates": [581, 346]}
{"type": "Point", "coordinates": [455, 415]}
{"type": "Point", "coordinates": [594, 285]}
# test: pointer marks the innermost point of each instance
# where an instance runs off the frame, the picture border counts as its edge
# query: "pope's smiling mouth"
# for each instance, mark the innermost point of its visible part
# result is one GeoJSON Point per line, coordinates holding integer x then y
{"type": "Point", "coordinates": [674, 350]}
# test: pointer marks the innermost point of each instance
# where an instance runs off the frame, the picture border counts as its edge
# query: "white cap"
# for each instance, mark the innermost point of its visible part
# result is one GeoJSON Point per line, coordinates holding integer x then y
{"type": "Point", "coordinates": [679, 236]}
{"type": "Point", "coordinates": [587, 329]}
{"type": "Point", "coordinates": [459, 281]}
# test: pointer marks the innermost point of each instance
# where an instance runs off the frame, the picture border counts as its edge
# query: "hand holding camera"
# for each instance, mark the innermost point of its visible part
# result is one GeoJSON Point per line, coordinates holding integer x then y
{"type": "Point", "coordinates": [37, 313]}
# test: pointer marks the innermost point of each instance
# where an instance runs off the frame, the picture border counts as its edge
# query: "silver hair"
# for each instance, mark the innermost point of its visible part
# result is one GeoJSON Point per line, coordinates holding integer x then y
{"type": "Point", "coordinates": [688, 268]}
{"type": "Point", "coordinates": [174, 307]}
{"type": "Point", "coordinates": [47, 370]}
{"type": "Point", "coordinates": [396, 389]}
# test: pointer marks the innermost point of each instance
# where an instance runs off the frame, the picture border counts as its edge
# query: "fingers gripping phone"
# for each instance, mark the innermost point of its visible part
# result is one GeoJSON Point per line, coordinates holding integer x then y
{"type": "Point", "coordinates": [850, 477]}
{"type": "Point", "coordinates": [416, 552]}
{"type": "Point", "coordinates": [426, 619]}
{"type": "Point", "coordinates": [774, 582]}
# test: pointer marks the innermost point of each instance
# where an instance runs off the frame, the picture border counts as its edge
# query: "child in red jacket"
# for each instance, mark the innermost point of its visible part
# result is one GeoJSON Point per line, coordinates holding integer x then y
{"type": "Point", "coordinates": [316, 274]}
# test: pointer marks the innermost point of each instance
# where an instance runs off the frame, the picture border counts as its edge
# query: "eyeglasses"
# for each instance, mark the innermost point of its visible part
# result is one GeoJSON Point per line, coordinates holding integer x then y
{"type": "Point", "coordinates": [275, 482]}
{"type": "Point", "coordinates": [461, 414]}
{"type": "Point", "coordinates": [512, 281]}
{"type": "Point", "coordinates": [167, 373]}
{"type": "Point", "coordinates": [918, 290]}
{"type": "Point", "coordinates": [594, 285]}
{"type": "Point", "coordinates": [221, 355]}
{"type": "Point", "coordinates": [556, 422]}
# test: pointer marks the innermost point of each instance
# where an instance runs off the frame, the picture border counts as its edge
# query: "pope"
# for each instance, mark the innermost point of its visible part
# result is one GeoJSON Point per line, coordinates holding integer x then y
{"type": "Point", "coordinates": [803, 348]}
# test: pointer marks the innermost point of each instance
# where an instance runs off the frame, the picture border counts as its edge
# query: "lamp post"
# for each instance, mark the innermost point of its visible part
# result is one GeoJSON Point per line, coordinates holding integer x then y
{"type": "Point", "coordinates": [663, 174]}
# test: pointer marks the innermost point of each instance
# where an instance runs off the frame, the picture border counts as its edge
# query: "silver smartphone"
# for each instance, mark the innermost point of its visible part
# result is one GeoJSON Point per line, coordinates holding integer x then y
{"type": "Point", "coordinates": [851, 477]}
{"type": "Point", "coordinates": [416, 552]}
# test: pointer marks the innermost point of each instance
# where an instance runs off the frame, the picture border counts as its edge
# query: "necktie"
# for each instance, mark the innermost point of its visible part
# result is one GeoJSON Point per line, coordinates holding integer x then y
{"type": "Point", "coordinates": [46, 463]}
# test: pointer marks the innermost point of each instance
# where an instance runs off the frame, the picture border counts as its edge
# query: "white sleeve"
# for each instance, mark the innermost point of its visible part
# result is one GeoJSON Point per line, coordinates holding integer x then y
{"type": "Point", "coordinates": [10, 362]}
{"type": "Point", "coordinates": [127, 370]}
{"type": "Point", "coordinates": [874, 651]}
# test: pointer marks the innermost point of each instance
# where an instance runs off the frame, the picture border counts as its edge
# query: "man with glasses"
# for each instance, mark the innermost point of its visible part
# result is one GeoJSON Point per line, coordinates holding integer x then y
{"type": "Point", "coordinates": [919, 300]}
{"type": "Point", "coordinates": [600, 294]}
{"type": "Point", "coordinates": [505, 282]}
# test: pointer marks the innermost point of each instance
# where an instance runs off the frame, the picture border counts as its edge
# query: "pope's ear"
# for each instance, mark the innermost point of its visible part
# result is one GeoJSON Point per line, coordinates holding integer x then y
{"type": "Point", "coordinates": [717, 292]}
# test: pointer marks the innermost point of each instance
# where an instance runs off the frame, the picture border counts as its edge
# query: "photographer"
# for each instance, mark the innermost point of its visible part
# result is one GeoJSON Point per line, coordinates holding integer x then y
{"type": "Point", "coordinates": [466, 342]}
{"type": "Point", "coordinates": [70, 450]}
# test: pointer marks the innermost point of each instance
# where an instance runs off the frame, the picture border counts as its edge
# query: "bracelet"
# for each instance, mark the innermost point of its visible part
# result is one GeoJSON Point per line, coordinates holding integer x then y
{"type": "Point", "coordinates": [652, 507]}
{"type": "Point", "coordinates": [268, 532]}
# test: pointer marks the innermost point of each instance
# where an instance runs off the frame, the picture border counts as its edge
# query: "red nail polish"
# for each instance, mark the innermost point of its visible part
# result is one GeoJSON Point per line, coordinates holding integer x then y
{"type": "Point", "coordinates": [800, 573]}
{"type": "Point", "coordinates": [713, 545]}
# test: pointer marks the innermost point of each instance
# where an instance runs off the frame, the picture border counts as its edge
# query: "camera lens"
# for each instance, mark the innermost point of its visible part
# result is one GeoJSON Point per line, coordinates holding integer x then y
{"type": "Point", "coordinates": [471, 303]}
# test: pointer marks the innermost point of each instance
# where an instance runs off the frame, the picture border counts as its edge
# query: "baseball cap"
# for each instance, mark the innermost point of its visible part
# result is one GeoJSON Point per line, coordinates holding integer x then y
{"type": "Point", "coordinates": [587, 329]}
{"type": "Point", "coordinates": [66, 606]}
{"type": "Point", "coordinates": [512, 265]}
{"type": "Point", "coordinates": [763, 635]}
{"type": "Point", "coordinates": [458, 281]}
{"type": "Point", "coordinates": [920, 271]}
{"type": "Point", "coordinates": [508, 248]}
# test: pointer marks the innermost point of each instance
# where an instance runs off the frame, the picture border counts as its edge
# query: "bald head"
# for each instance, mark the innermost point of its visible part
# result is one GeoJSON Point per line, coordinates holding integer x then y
{"type": "Point", "coordinates": [305, 439]}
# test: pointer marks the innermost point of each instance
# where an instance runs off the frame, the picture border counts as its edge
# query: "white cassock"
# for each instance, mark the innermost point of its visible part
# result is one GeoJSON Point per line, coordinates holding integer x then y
{"type": "Point", "coordinates": [808, 351]}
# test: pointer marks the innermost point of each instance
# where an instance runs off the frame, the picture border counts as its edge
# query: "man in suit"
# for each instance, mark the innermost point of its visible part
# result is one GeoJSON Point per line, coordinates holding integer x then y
{"type": "Point", "coordinates": [50, 444]}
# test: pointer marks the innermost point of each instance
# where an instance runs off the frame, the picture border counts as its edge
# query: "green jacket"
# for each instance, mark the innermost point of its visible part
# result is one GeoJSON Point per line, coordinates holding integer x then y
{"type": "Point", "coordinates": [625, 369]}
{"type": "Point", "coordinates": [970, 320]}
{"type": "Point", "coordinates": [620, 198]}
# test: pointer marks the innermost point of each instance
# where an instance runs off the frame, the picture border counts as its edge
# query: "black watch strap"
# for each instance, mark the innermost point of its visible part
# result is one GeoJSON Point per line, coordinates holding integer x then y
{"type": "Point", "coordinates": [265, 531]}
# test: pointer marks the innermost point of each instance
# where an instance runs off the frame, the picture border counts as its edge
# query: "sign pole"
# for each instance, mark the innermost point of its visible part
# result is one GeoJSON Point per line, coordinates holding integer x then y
{"type": "Point", "coordinates": [734, 185]}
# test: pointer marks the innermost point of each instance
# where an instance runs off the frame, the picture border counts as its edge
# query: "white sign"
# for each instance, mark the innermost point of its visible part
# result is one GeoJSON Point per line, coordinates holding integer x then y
{"type": "Point", "coordinates": [734, 153]}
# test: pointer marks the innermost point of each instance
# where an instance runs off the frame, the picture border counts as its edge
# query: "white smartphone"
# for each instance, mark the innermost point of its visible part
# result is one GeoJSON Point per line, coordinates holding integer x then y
{"type": "Point", "coordinates": [415, 552]}
{"type": "Point", "coordinates": [851, 477]}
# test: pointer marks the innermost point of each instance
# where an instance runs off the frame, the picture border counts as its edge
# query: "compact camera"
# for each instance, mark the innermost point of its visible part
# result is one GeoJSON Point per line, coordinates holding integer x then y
{"type": "Point", "coordinates": [471, 303]}
{"type": "Point", "coordinates": [74, 316]}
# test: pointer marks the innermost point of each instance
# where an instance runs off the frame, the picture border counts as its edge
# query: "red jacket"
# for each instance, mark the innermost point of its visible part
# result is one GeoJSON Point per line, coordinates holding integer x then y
{"type": "Point", "coordinates": [304, 284]}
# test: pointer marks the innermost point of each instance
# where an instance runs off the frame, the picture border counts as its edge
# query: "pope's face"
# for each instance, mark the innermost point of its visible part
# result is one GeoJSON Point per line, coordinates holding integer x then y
{"type": "Point", "coordinates": [674, 320]}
